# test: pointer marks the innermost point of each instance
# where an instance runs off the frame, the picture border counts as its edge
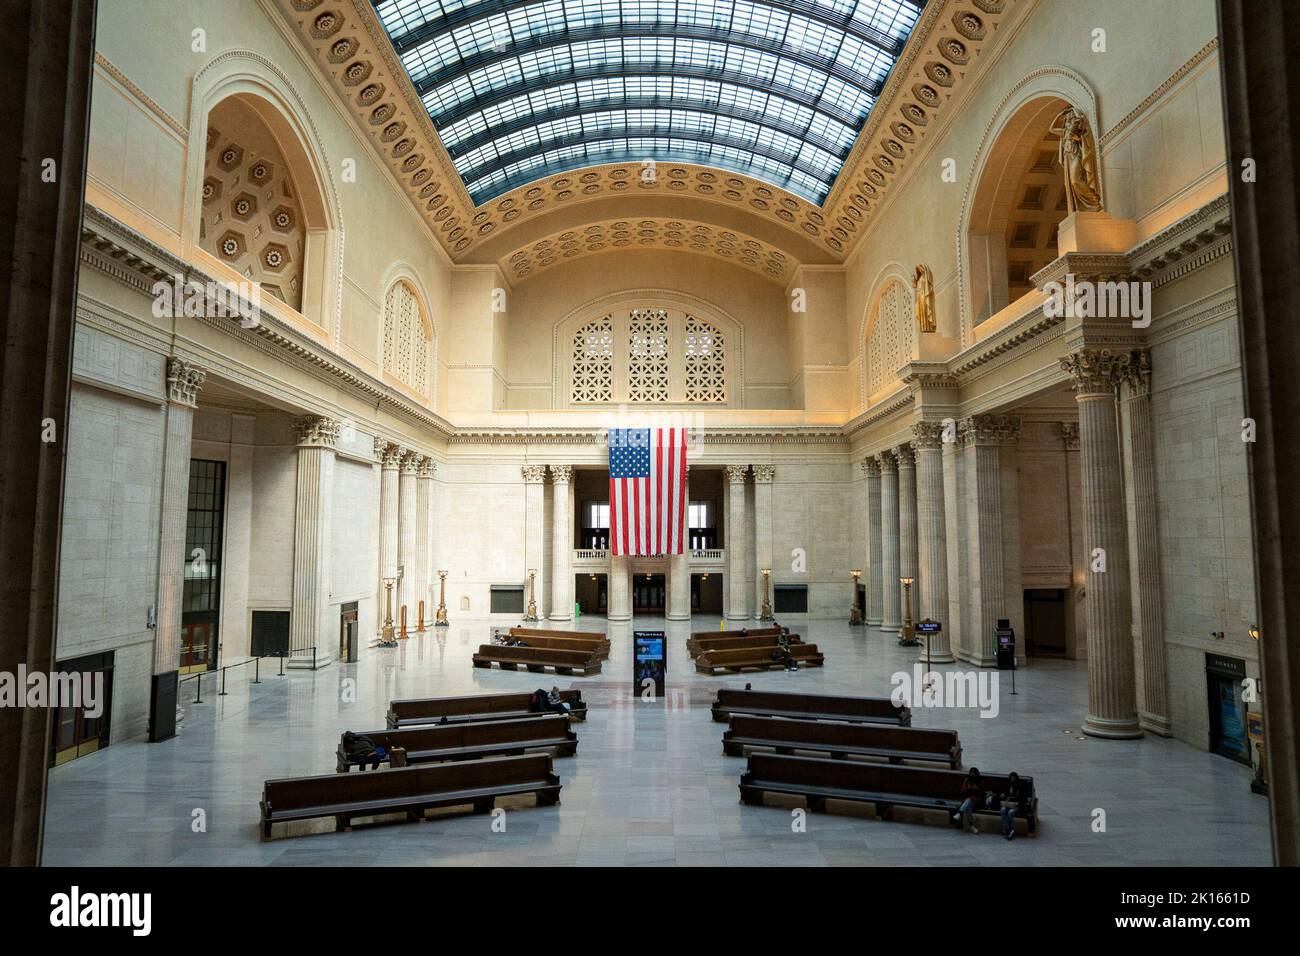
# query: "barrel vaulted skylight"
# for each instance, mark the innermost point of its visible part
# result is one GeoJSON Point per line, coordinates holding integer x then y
{"type": "Point", "coordinates": [522, 89]}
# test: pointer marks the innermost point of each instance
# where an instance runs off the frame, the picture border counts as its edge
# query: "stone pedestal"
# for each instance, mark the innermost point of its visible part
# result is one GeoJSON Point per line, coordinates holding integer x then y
{"type": "Point", "coordinates": [891, 609]}
{"type": "Point", "coordinates": [1095, 232]}
{"type": "Point", "coordinates": [932, 539]}
{"type": "Point", "coordinates": [311, 639]}
{"type": "Point", "coordinates": [561, 543]}
{"type": "Point", "coordinates": [736, 534]}
{"type": "Point", "coordinates": [874, 578]}
{"type": "Point", "coordinates": [1112, 705]}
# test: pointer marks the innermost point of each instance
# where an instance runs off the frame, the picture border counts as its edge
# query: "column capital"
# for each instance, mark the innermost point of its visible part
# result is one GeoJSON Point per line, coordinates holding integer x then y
{"type": "Point", "coordinates": [428, 467]}
{"type": "Point", "coordinates": [1070, 435]}
{"type": "Point", "coordinates": [380, 444]}
{"type": "Point", "coordinates": [315, 431]}
{"type": "Point", "coordinates": [736, 474]}
{"type": "Point", "coordinates": [561, 474]}
{"type": "Point", "coordinates": [886, 461]}
{"type": "Point", "coordinates": [870, 467]}
{"type": "Point", "coordinates": [533, 474]}
{"type": "Point", "coordinates": [391, 455]}
{"type": "Point", "coordinates": [990, 430]}
{"type": "Point", "coordinates": [410, 462]}
{"type": "Point", "coordinates": [763, 474]}
{"type": "Point", "coordinates": [1136, 374]}
{"type": "Point", "coordinates": [927, 435]}
{"type": "Point", "coordinates": [184, 379]}
{"type": "Point", "coordinates": [1095, 371]}
{"type": "Point", "coordinates": [905, 455]}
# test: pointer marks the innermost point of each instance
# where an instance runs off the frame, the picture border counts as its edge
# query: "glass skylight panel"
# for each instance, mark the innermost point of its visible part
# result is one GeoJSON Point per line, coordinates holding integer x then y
{"type": "Point", "coordinates": [783, 86]}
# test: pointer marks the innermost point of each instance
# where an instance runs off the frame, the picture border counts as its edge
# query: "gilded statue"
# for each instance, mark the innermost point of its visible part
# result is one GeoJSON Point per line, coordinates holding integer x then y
{"type": "Point", "coordinates": [1077, 152]}
{"type": "Point", "coordinates": [923, 289]}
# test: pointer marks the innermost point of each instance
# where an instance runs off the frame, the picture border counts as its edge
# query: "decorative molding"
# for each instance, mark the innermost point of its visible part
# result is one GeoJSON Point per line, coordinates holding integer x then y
{"type": "Point", "coordinates": [927, 435]}
{"type": "Point", "coordinates": [990, 430]}
{"type": "Point", "coordinates": [561, 474]}
{"type": "Point", "coordinates": [184, 379]}
{"type": "Point", "coordinates": [1096, 371]}
{"type": "Point", "coordinates": [533, 474]}
{"type": "Point", "coordinates": [736, 473]}
{"type": "Point", "coordinates": [764, 474]}
{"type": "Point", "coordinates": [905, 455]}
{"type": "Point", "coordinates": [428, 467]}
{"type": "Point", "coordinates": [1158, 92]}
{"type": "Point", "coordinates": [125, 82]}
{"type": "Point", "coordinates": [1135, 375]}
{"type": "Point", "coordinates": [316, 431]}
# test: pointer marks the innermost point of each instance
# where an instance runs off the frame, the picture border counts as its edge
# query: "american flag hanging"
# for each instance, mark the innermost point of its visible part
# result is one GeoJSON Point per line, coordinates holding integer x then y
{"type": "Point", "coordinates": [647, 490]}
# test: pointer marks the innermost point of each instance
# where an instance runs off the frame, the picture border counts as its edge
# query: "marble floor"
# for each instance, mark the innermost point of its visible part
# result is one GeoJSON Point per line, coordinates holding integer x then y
{"type": "Point", "coordinates": [650, 784]}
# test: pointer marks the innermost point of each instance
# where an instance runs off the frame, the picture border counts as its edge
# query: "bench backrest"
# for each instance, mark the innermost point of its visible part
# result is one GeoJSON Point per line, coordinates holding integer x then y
{"type": "Point", "coordinates": [846, 735]}
{"type": "Point", "coordinates": [929, 782]}
{"type": "Point", "coordinates": [809, 703]}
{"type": "Point", "coordinates": [559, 643]}
{"type": "Point", "coordinates": [742, 632]}
{"type": "Point", "coordinates": [740, 655]}
{"type": "Point", "coordinates": [536, 655]}
{"type": "Point", "coordinates": [592, 636]}
{"type": "Point", "coordinates": [472, 704]}
{"type": "Point", "coordinates": [727, 643]}
{"type": "Point", "coordinates": [472, 734]}
{"type": "Point", "coordinates": [295, 793]}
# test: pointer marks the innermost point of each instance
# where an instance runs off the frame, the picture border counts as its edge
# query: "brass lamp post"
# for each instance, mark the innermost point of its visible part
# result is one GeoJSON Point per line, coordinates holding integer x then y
{"type": "Point", "coordinates": [766, 613]}
{"type": "Point", "coordinates": [440, 619]}
{"type": "Point", "coordinates": [907, 634]}
{"type": "Point", "coordinates": [855, 614]}
{"type": "Point", "coordinates": [531, 614]}
{"type": "Point", "coordinates": [388, 639]}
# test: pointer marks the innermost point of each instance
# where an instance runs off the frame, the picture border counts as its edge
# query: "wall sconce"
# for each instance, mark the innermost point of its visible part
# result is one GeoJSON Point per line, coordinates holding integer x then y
{"type": "Point", "coordinates": [1253, 630]}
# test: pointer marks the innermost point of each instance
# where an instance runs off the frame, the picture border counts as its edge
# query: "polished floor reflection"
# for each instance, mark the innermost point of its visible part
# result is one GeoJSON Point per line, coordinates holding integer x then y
{"type": "Point", "coordinates": [650, 784]}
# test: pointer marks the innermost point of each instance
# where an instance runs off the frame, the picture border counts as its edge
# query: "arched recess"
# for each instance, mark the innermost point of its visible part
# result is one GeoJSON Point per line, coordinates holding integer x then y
{"type": "Point", "coordinates": [887, 338]}
{"type": "Point", "coordinates": [1014, 135]}
{"type": "Point", "coordinates": [401, 287]}
{"type": "Point", "coordinates": [265, 91]}
{"type": "Point", "coordinates": [605, 352]}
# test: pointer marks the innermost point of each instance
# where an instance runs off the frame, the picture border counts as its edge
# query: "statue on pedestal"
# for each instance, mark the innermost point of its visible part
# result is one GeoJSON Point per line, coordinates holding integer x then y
{"type": "Point", "coordinates": [923, 289]}
{"type": "Point", "coordinates": [1077, 152]}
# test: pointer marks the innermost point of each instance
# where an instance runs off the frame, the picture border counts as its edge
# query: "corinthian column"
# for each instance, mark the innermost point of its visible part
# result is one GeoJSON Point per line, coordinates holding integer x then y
{"type": "Point", "coordinates": [423, 540]}
{"type": "Point", "coordinates": [561, 543]}
{"type": "Point", "coordinates": [390, 457]}
{"type": "Point", "coordinates": [932, 538]}
{"type": "Point", "coordinates": [763, 475]}
{"type": "Point", "coordinates": [620, 589]}
{"type": "Point", "coordinates": [1153, 695]}
{"type": "Point", "coordinates": [736, 542]}
{"type": "Point", "coordinates": [407, 532]}
{"type": "Point", "coordinates": [535, 534]}
{"type": "Point", "coordinates": [679, 571]}
{"type": "Point", "coordinates": [907, 554]}
{"type": "Point", "coordinates": [1112, 704]}
{"type": "Point", "coordinates": [875, 577]}
{"type": "Point", "coordinates": [311, 637]}
{"type": "Point", "coordinates": [183, 383]}
{"type": "Point", "coordinates": [891, 613]}
{"type": "Point", "coordinates": [984, 436]}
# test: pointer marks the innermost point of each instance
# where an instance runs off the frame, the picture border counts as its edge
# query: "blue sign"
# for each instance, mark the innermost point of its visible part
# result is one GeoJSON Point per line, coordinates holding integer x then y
{"type": "Point", "coordinates": [649, 661]}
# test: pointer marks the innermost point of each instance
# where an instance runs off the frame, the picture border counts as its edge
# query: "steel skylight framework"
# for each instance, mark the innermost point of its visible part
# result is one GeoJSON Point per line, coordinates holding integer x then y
{"type": "Point", "coordinates": [522, 89]}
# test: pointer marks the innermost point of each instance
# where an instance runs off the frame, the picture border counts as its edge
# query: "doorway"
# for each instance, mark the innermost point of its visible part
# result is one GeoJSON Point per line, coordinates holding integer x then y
{"type": "Point", "coordinates": [1227, 707]}
{"type": "Point", "coordinates": [76, 732]}
{"type": "Point", "coordinates": [201, 596]}
{"type": "Point", "coordinates": [591, 591]}
{"type": "Point", "coordinates": [649, 594]}
{"type": "Point", "coordinates": [706, 593]}
{"type": "Point", "coordinates": [348, 632]}
{"type": "Point", "coordinates": [1045, 622]}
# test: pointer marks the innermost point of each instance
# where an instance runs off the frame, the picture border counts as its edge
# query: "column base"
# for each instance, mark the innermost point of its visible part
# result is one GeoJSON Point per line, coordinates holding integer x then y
{"type": "Point", "coordinates": [891, 627]}
{"type": "Point", "coordinates": [1123, 729]}
{"type": "Point", "coordinates": [735, 617]}
{"type": "Point", "coordinates": [620, 618]}
{"type": "Point", "coordinates": [675, 616]}
{"type": "Point", "coordinates": [307, 662]}
{"type": "Point", "coordinates": [873, 622]}
{"type": "Point", "coordinates": [977, 660]}
{"type": "Point", "coordinates": [1156, 724]}
{"type": "Point", "coordinates": [936, 657]}
{"type": "Point", "coordinates": [560, 618]}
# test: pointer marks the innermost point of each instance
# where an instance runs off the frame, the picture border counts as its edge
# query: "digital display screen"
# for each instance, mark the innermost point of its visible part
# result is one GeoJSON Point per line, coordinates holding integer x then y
{"type": "Point", "coordinates": [649, 648]}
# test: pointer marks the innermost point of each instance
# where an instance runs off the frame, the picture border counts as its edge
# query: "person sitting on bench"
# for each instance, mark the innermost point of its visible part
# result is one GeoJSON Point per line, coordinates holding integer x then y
{"type": "Point", "coordinates": [1012, 797]}
{"type": "Point", "coordinates": [553, 698]}
{"type": "Point", "coordinates": [785, 658]}
{"type": "Point", "coordinates": [972, 796]}
{"type": "Point", "coordinates": [361, 750]}
{"type": "Point", "coordinates": [543, 702]}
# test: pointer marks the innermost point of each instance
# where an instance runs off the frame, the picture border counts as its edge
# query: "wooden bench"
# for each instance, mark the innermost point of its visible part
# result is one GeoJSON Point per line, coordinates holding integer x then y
{"type": "Point", "coordinates": [466, 741]}
{"type": "Point", "coordinates": [695, 646]}
{"type": "Point", "coordinates": [775, 631]}
{"type": "Point", "coordinates": [884, 785]}
{"type": "Point", "coordinates": [409, 790]}
{"type": "Point", "coordinates": [861, 710]}
{"type": "Point", "coordinates": [596, 636]}
{"type": "Point", "coordinates": [748, 658]}
{"type": "Point", "coordinates": [476, 707]}
{"type": "Point", "coordinates": [537, 659]}
{"type": "Point", "coordinates": [841, 740]}
{"type": "Point", "coordinates": [599, 648]}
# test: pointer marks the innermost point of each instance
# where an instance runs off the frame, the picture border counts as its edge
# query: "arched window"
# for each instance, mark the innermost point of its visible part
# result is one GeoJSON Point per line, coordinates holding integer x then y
{"type": "Point", "coordinates": [406, 338]}
{"type": "Point", "coordinates": [593, 362]}
{"type": "Point", "coordinates": [706, 369]}
{"type": "Point", "coordinates": [647, 356]}
{"type": "Point", "coordinates": [889, 336]}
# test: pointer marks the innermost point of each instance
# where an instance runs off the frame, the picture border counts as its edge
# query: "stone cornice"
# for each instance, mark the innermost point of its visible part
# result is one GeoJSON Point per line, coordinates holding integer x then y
{"type": "Point", "coordinates": [1158, 92]}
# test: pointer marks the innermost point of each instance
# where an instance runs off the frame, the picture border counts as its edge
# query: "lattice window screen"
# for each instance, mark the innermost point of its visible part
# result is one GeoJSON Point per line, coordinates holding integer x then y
{"type": "Point", "coordinates": [593, 362]}
{"type": "Point", "coordinates": [889, 345]}
{"type": "Point", "coordinates": [647, 374]}
{"type": "Point", "coordinates": [406, 349]}
{"type": "Point", "coordinates": [706, 369]}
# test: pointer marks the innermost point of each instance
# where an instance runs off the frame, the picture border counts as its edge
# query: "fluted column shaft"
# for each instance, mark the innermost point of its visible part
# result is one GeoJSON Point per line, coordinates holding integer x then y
{"type": "Point", "coordinates": [390, 457]}
{"type": "Point", "coordinates": [407, 535]}
{"type": "Point", "coordinates": [1112, 703]}
{"type": "Point", "coordinates": [763, 476]}
{"type": "Point", "coordinates": [891, 608]}
{"type": "Point", "coordinates": [1153, 699]}
{"type": "Point", "coordinates": [874, 573]}
{"type": "Point", "coordinates": [679, 574]}
{"type": "Point", "coordinates": [183, 383]}
{"type": "Point", "coordinates": [907, 544]}
{"type": "Point", "coordinates": [932, 538]}
{"type": "Point", "coordinates": [984, 436]}
{"type": "Point", "coordinates": [954, 507]}
{"type": "Point", "coordinates": [620, 588]}
{"type": "Point", "coordinates": [561, 543]}
{"type": "Point", "coordinates": [423, 572]}
{"type": "Point", "coordinates": [736, 542]}
{"type": "Point", "coordinates": [311, 638]}
{"type": "Point", "coordinates": [535, 534]}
